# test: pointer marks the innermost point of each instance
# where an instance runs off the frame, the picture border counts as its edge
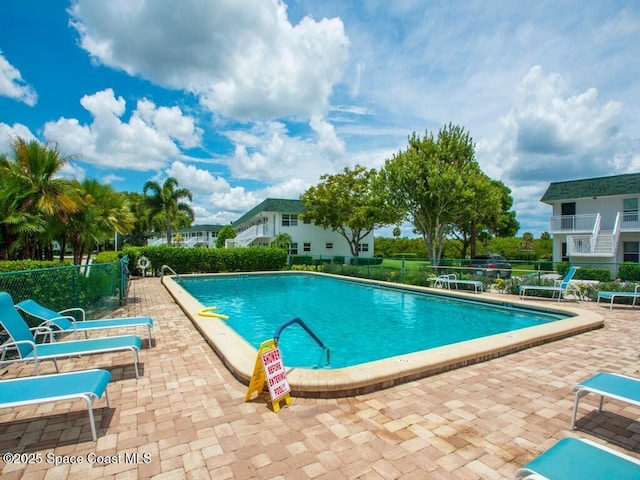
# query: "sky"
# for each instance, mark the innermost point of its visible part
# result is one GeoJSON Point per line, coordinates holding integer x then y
{"type": "Point", "coordinates": [242, 100]}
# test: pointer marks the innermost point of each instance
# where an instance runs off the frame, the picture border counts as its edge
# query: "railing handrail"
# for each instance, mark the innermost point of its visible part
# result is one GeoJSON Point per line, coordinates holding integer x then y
{"type": "Point", "coordinates": [297, 320]}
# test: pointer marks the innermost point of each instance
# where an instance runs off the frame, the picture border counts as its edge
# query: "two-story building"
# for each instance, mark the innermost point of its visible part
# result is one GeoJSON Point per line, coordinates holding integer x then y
{"type": "Point", "coordinates": [194, 236]}
{"type": "Point", "coordinates": [595, 220]}
{"type": "Point", "coordinates": [263, 223]}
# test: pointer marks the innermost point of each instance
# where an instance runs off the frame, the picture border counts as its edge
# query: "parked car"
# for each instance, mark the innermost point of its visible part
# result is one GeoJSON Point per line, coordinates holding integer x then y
{"type": "Point", "coordinates": [490, 265]}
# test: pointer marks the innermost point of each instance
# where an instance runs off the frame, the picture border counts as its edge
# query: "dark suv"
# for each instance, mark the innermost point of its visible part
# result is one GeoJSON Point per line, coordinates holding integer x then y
{"type": "Point", "coordinates": [491, 265]}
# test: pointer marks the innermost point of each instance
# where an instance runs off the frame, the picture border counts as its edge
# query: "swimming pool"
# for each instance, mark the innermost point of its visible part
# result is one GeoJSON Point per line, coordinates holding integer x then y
{"type": "Point", "coordinates": [357, 322]}
{"type": "Point", "coordinates": [239, 354]}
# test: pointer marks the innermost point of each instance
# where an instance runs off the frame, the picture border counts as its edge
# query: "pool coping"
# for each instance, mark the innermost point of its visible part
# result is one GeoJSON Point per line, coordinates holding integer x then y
{"type": "Point", "coordinates": [239, 356]}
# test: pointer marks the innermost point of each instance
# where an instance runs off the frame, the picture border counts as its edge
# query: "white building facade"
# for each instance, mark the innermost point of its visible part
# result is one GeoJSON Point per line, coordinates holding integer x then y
{"type": "Point", "coordinates": [194, 236]}
{"type": "Point", "coordinates": [263, 223]}
{"type": "Point", "coordinates": [595, 220]}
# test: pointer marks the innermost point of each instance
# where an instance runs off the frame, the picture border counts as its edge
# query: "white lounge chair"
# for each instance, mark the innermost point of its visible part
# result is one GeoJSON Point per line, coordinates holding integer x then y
{"type": "Point", "coordinates": [580, 459]}
{"type": "Point", "coordinates": [64, 322]}
{"type": "Point", "coordinates": [609, 385]}
{"type": "Point", "coordinates": [22, 342]}
{"type": "Point", "coordinates": [446, 281]}
{"type": "Point", "coordinates": [611, 296]}
{"type": "Point", "coordinates": [561, 287]}
{"type": "Point", "coordinates": [88, 385]}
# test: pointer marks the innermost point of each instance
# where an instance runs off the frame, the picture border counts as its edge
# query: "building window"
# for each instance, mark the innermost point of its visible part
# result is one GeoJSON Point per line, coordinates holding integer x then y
{"type": "Point", "coordinates": [293, 250]}
{"type": "Point", "coordinates": [307, 221]}
{"type": "Point", "coordinates": [630, 207]}
{"type": "Point", "coordinates": [289, 220]}
{"type": "Point", "coordinates": [631, 252]}
{"type": "Point", "coordinates": [363, 247]}
{"type": "Point", "coordinates": [306, 246]}
{"type": "Point", "coordinates": [328, 245]}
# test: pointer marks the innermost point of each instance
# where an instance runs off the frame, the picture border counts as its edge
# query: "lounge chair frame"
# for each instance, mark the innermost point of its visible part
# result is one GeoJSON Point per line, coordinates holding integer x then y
{"type": "Point", "coordinates": [611, 296]}
{"type": "Point", "coordinates": [566, 459]}
{"type": "Point", "coordinates": [607, 385]}
{"type": "Point", "coordinates": [87, 385]}
{"type": "Point", "coordinates": [23, 344]}
{"type": "Point", "coordinates": [445, 281]}
{"type": "Point", "coordinates": [63, 321]}
{"type": "Point", "coordinates": [561, 287]}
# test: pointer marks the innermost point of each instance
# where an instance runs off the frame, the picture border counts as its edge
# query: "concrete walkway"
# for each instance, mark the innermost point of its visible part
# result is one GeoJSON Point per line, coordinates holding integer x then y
{"type": "Point", "coordinates": [185, 417]}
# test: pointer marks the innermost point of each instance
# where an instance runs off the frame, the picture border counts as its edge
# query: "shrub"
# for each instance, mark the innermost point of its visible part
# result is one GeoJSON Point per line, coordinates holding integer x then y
{"type": "Point", "coordinates": [599, 274]}
{"type": "Point", "coordinates": [207, 260]}
{"type": "Point", "coordinates": [366, 261]}
{"type": "Point", "coordinates": [629, 272]}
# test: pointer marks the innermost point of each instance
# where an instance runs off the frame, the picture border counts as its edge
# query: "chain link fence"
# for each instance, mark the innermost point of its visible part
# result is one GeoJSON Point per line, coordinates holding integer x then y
{"type": "Point", "coordinates": [97, 288]}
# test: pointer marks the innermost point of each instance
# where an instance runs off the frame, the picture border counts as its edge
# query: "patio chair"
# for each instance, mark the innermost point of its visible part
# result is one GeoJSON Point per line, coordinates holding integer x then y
{"type": "Point", "coordinates": [63, 322]}
{"type": "Point", "coordinates": [609, 385]}
{"type": "Point", "coordinates": [611, 296]}
{"type": "Point", "coordinates": [580, 458]}
{"type": "Point", "coordinates": [88, 385]}
{"type": "Point", "coordinates": [22, 342]}
{"type": "Point", "coordinates": [561, 287]}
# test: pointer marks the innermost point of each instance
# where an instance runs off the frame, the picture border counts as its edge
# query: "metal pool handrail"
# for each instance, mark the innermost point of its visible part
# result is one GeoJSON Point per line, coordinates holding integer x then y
{"type": "Point", "coordinates": [297, 320]}
{"type": "Point", "coordinates": [167, 267]}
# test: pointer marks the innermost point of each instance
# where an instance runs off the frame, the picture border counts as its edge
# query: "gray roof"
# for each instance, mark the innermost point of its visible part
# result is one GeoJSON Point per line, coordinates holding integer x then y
{"type": "Point", "coordinates": [273, 205]}
{"type": "Point", "coordinates": [628, 184]}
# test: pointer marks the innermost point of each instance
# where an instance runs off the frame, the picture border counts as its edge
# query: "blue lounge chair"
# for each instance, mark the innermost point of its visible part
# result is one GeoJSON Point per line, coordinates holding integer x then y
{"type": "Point", "coordinates": [583, 459]}
{"type": "Point", "coordinates": [63, 322]}
{"type": "Point", "coordinates": [609, 385]}
{"type": "Point", "coordinates": [88, 385]}
{"type": "Point", "coordinates": [561, 287]}
{"type": "Point", "coordinates": [22, 342]}
{"type": "Point", "coordinates": [611, 296]}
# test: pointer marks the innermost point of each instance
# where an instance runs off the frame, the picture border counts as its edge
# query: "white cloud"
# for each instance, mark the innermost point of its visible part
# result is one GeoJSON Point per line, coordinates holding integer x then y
{"type": "Point", "coordinates": [242, 58]}
{"type": "Point", "coordinates": [12, 84]}
{"type": "Point", "coordinates": [146, 142]}
{"type": "Point", "coordinates": [268, 153]}
{"type": "Point", "coordinates": [8, 133]}
{"type": "Point", "coordinates": [551, 134]}
{"type": "Point", "coordinates": [197, 180]}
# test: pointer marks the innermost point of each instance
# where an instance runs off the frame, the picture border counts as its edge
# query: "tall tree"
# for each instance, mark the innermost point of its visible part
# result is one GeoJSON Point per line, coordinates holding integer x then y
{"type": "Point", "coordinates": [104, 212]}
{"type": "Point", "coordinates": [349, 204]}
{"type": "Point", "coordinates": [430, 183]}
{"type": "Point", "coordinates": [227, 232]}
{"type": "Point", "coordinates": [35, 194]}
{"type": "Point", "coordinates": [487, 214]}
{"type": "Point", "coordinates": [165, 205]}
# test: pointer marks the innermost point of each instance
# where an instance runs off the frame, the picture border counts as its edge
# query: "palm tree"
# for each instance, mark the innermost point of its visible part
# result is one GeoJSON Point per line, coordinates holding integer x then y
{"type": "Point", "coordinates": [165, 205]}
{"type": "Point", "coordinates": [34, 194]}
{"type": "Point", "coordinates": [104, 212]}
{"type": "Point", "coordinates": [282, 240]}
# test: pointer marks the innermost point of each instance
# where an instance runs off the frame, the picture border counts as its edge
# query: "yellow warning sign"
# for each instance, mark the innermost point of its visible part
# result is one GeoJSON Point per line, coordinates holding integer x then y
{"type": "Point", "coordinates": [270, 368]}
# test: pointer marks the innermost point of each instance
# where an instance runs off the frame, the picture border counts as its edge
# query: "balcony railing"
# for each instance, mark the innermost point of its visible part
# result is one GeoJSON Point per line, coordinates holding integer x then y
{"type": "Point", "coordinates": [630, 222]}
{"type": "Point", "coordinates": [574, 223]}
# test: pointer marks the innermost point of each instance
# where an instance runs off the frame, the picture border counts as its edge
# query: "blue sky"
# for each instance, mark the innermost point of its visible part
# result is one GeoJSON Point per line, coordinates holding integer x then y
{"type": "Point", "coordinates": [241, 100]}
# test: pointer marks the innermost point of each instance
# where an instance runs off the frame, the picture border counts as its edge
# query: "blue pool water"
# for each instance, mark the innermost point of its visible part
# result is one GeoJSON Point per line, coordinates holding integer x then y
{"type": "Point", "coordinates": [358, 322]}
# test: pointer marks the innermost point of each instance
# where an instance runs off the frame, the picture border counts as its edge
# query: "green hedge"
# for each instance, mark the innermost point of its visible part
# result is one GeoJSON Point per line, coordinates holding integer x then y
{"type": "Point", "coordinates": [629, 272]}
{"type": "Point", "coordinates": [358, 261]}
{"type": "Point", "coordinates": [599, 274]}
{"type": "Point", "coordinates": [19, 265]}
{"type": "Point", "coordinates": [206, 260]}
{"type": "Point", "coordinates": [584, 273]}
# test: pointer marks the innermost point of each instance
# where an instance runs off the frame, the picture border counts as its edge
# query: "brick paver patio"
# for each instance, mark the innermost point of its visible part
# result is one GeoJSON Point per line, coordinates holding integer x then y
{"type": "Point", "coordinates": [185, 417]}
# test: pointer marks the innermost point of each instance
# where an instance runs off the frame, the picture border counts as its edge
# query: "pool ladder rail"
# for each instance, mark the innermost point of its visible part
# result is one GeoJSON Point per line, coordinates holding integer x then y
{"type": "Point", "coordinates": [297, 320]}
{"type": "Point", "coordinates": [167, 267]}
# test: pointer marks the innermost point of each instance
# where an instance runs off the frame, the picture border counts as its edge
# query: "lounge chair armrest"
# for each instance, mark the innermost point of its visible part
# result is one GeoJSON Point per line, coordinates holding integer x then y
{"type": "Point", "coordinates": [14, 345]}
{"type": "Point", "coordinates": [42, 329]}
{"type": "Point", "coordinates": [74, 309]}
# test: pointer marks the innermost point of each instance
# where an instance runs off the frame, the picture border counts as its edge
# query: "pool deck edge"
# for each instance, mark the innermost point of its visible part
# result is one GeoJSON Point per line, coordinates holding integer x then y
{"type": "Point", "coordinates": [239, 356]}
